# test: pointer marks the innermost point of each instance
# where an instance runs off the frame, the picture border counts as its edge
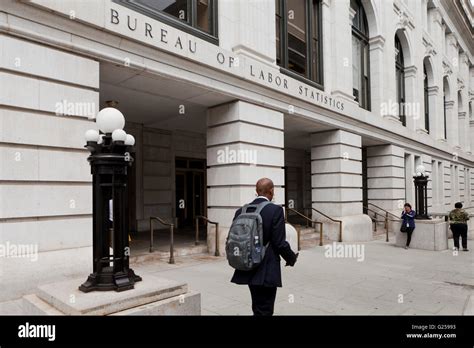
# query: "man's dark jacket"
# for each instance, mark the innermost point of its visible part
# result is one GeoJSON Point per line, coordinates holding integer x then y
{"type": "Point", "coordinates": [268, 273]}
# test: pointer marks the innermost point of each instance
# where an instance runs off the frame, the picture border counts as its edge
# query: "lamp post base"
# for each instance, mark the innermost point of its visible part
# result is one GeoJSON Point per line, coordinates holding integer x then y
{"type": "Point", "coordinates": [108, 280]}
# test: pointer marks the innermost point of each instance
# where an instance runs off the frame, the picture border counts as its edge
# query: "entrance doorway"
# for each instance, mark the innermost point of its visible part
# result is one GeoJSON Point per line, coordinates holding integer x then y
{"type": "Point", "coordinates": [190, 190]}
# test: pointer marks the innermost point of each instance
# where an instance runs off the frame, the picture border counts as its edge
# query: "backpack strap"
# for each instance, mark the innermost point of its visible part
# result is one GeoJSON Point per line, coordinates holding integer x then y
{"type": "Point", "coordinates": [261, 205]}
{"type": "Point", "coordinates": [258, 207]}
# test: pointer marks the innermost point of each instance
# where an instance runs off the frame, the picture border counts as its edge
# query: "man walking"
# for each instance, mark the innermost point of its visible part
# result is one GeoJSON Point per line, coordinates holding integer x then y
{"type": "Point", "coordinates": [264, 280]}
{"type": "Point", "coordinates": [458, 223]}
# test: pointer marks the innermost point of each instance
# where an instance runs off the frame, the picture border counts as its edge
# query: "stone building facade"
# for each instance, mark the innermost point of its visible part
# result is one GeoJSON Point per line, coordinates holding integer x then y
{"type": "Point", "coordinates": [336, 101]}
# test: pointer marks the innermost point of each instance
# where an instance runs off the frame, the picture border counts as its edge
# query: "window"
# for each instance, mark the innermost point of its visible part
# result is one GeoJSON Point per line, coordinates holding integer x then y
{"type": "Point", "coordinates": [360, 56]}
{"type": "Point", "coordinates": [197, 17]}
{"type": "Point", "coordinates": [426, 100]}
{"type": "Point", "coordinates": [400, 80]}
{"type": "Point", "coordinates": [298, 39]}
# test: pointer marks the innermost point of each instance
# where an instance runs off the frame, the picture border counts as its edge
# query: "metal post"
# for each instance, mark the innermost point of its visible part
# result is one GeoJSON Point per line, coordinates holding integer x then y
{"type": "Point", "coordinates": [386, 225]}
{"type": "Point", "coordinates": [172, 244]}
{"type": "Point", "coordinates": [298, 233]}
{"type": "Point", "coordinates": [375, 217]}
{"type": "Point", "coordinates": [321, 234]}
{"type": "Point", "coordinates": [340, 232]}
{"type": "Point", "coordinates": [151, 235]}
{"type": "Point", "coordinates": [197, 231]}
{"type": "Point", "coordinates": [217, 241]}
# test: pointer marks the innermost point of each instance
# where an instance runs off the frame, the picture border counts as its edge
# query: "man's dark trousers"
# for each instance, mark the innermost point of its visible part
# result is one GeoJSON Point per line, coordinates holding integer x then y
{"type": "Point", "coordinates": [263, 299]}
{"type": "Point", "coordinates": [459, 230]}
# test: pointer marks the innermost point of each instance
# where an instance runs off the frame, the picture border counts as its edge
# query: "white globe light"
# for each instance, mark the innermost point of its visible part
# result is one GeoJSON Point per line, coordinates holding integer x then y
{"type": "Point", "coordinates": [420, 169]}
{"type": "Point", "coordinates": [119, 135]}
{"type": "Point", "coordinates": [130, 140]}
{"type": "Point", "coordinates": [92, 135]}
{"type": "Point", "coordinates": [418, 174]}
{"type": "Point", "coordinates": [110, 119]}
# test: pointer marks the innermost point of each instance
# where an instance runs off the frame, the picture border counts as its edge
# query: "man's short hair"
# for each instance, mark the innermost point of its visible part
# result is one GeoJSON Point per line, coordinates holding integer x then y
{"type": "Point", "coordinates": [458, 205]}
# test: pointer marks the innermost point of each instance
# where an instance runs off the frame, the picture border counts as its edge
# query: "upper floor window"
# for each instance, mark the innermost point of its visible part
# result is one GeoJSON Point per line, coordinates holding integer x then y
{"type": "Point", "coordinates": [360, 56]}
{"type": "Point", "coordinates": [400, 80]}
{"type": "Point", "coordinates": [298, 38]}
{"type": "Point", "coordinates": [426, 99]}
{"type": "Point", "coordinates": [197, 17]}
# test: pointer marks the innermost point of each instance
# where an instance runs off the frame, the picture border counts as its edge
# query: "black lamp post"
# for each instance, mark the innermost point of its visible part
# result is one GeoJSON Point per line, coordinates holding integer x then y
{"type": "Point", "coordinates": [421, 193]}
{"type": "Point", "coordinates": [111, 155]}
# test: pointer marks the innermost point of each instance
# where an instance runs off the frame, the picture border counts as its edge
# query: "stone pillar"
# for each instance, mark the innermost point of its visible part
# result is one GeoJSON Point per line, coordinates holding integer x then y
{"type": "Point", "coordinates": [452, 129]}
{"type": "Point", "coordinates": [376, 52]}
{"type": "Point", "coordinates": [244, 144]}
{"type": "Point", "coordinates": [386, 176]}
{"type": "Point", "coordinates": [248, 29]}
{"type": "Point", "coordinates": [341, 49]}
{"type": "Point", "coordinates": [412, 103]}
{"type": "Point", "coordinates": [471, 137]}
{"type": "Point", "coordinates": [47, 100]}
{"type": "Point", "coordinates": [336, 170]}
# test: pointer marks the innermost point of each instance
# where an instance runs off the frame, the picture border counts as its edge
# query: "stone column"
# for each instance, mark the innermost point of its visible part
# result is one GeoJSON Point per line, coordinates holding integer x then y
{"type": "Point", "coordinates": [341, 49]}
{"type": "Point", "coordinates": [412, 102]}
{"type": "Point", "coordinates": [452, 129]}
{"type": "Point", "coordinates": [47, 100]}
{"type": "Point", "coordinates": [336, 170]}
{"type": "Point", "coordinates": [376, 52]}
{"type": "Point", "coordinates": [386, 176]}
{"type": "Point", "coordinates": [244, 144]}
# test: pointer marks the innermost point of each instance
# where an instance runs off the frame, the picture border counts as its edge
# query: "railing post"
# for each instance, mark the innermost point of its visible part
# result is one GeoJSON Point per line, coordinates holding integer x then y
{"type": "Point", "coordinates": [196, 242]}
{"type": "Point", "coordinates": [321, 234]}
{"type": "Point", "coordinates": [375, 217]}
{"type": "Point", "coordinates": [217, 241]}
{"type": "Point", "coordinates": [298, 232]}
{"type": "Point", "coordinates": [171, 244]}
{"type": "Point", "coordinates": [151, 235]}
{"type": "Point", "coordinates": [340, 232]}
{"type": "Point", "coordinates": [386, 225]}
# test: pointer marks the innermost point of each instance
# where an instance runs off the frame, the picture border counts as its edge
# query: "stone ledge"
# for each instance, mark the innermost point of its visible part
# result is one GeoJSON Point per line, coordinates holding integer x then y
{"type": "Point", "coordinates": [66, 297]}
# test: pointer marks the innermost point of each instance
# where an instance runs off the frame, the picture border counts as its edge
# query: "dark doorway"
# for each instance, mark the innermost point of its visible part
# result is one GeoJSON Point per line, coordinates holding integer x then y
{"type": "Point", "coordinates": [190, 190]}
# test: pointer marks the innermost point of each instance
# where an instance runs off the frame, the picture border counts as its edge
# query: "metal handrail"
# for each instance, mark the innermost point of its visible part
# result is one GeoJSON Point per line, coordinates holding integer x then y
{"type": "Point", "coordinates": [332, 219]}
{"type": "Point", "coordinates": [384, 210]}
{"type": "Point", "coordinates": [171, 235]}
{"type": "Point", "coordinates": [216, 253]}
{"type": "Point", "coordinates": [307, 219]}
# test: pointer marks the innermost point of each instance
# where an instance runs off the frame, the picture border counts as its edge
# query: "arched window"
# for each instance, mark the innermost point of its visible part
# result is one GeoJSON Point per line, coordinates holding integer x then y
{"type": "Point", "coordinates": [400, 80]}
{"type": "Point", "coordinates": [445, 100]}
{"type": "Point", "coordinates": [426, 99]}
{"type": "Point", "coordinates": [360, 56]}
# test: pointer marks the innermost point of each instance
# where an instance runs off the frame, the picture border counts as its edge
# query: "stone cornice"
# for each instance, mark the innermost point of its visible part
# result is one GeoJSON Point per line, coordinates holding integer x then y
{"type": "Point", "coordinates": [449, 104]}
{"type": "Point", "coordinates": [377, 42]}
{"type": "Point", "coordinates": [405, 18]}
{"type": "Point", "coordinates": [429, 45]}
{"type": "Point", "coordinates": [433, 90]}
{"type": "Point", "coordinates": [448, 70]}
{"type": "Point", "coordinates": [410, 71]}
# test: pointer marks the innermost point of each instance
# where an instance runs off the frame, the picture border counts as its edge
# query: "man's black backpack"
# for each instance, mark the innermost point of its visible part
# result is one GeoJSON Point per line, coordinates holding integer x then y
{"type": "Point", "coordinates": [244, 245]}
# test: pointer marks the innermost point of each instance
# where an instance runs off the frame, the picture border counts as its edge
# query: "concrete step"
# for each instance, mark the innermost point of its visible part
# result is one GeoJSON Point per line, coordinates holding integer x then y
{"type": "Point", "coordinates": [163, 255]}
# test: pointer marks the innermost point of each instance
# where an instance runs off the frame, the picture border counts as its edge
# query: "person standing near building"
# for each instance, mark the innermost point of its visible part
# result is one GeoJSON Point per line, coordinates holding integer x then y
{"type": "Point", "coordinates": [266, 277]}
{"type": "Point", "coordinates": [458, 223]}
{"type": "Point", "coordinates": [408, 223]}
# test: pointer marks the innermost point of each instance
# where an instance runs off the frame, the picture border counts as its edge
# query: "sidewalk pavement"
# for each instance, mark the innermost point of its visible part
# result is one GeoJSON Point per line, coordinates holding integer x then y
{"type": "Point", "coordinates": [387, 280]}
